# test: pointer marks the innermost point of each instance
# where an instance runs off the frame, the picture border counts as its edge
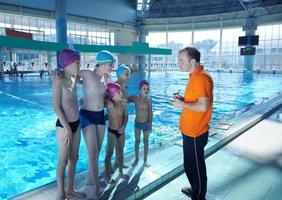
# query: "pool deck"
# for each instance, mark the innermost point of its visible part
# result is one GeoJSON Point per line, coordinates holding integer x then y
{"type": "Point", "coordinates": [140, 176]}
{"type": "Point", "coordinates": [250, 167]}
{"type": "Point", "coordinates": [247, 168]}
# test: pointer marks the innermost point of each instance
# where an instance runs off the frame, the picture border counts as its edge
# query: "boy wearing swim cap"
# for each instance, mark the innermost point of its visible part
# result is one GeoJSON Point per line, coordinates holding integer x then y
{"type": "Point", "coordinates": [117, 115]}
{"type": "Point", "coordinates": [123, 72]}
{"type": "Point", "coordinates": [92, 116]}
{"type": "Point", "coordinates": [65, 105]}
{"type": "Point", "coordinates": [143, 119]}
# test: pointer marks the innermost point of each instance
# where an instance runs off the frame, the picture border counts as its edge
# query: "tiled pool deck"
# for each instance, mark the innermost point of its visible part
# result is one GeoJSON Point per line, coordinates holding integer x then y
{"type": "Point", "coordinates": [249, 168]}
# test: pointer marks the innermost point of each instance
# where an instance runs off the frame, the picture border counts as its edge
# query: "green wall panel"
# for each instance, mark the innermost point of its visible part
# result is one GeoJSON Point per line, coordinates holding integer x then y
{"type": "Point", "coordinates": [136, 48]}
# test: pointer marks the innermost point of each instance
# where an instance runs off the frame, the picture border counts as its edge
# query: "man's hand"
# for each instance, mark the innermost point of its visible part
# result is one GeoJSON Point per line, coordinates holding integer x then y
{"type": "Point", "coordinates": [181, 98]}
{"type": "Point", "coordinates": [178, 103]}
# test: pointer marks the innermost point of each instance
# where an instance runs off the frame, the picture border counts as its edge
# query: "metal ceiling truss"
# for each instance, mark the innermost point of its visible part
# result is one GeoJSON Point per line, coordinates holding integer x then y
{"type": "Point", "coordinates": [142, 7]}
{"type": "Point", "coordinates": [187, 8]}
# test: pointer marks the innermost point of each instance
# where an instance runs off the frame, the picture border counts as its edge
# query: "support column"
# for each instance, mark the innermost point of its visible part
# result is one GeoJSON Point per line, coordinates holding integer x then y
{"type": "Point", "coordinates": [250, 29]}
{"type": "Point", "coordinates": [192, 28]}
{"type": "Point", "coordinates": [61, 23]}
{"type": "Point", "coordinates": [220, 47]}
{"type": "Point", "coordinates": [149, 63]}
{"type": "Point", "coordinates": [142, 38]}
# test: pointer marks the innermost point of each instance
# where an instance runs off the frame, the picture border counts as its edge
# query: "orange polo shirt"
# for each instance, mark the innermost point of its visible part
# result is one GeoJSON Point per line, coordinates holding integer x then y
{"type": "Point", "coordinates": [200, 84]}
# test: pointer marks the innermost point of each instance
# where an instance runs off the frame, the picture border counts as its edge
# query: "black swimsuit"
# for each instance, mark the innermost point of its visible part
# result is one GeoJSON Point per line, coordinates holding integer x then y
{"type": "Point", "coordinates": [73, 125]}
{"type": "Point", "coordinates": [115, 132]}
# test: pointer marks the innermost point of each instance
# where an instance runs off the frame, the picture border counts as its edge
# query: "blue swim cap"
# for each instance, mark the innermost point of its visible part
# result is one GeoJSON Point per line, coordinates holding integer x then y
{"type": "Point", "coordinates": [121, 69]}
{"type": "Point", "coordinates": [104, 56]}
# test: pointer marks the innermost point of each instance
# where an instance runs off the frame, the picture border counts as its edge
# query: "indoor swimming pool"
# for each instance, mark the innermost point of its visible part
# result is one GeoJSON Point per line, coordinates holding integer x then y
{"type": "Point", "coordinates": [28, 148]}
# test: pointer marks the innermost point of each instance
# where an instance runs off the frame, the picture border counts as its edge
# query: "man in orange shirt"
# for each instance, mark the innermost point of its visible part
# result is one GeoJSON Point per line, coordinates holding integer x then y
{"type": "Point", "coordinates": [196, 113]}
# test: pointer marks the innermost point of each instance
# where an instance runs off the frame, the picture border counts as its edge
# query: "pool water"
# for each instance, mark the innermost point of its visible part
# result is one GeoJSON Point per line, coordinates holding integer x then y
{"type": "Point", "coordinates": [28, 149]}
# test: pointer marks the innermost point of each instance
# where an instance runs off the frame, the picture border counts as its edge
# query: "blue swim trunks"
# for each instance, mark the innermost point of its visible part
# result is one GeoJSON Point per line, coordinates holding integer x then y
{"type": "Point", "coordinates": [88, 117]}
{"type": "Point", "coordinates": [143, 126]}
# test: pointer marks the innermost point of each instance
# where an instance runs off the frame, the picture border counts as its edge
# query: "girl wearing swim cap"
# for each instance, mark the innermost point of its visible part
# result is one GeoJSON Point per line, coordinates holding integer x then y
{"type": "Point", "coordinates": [117, 115]}
{"type": "Point", "coordinates": [123, 72]}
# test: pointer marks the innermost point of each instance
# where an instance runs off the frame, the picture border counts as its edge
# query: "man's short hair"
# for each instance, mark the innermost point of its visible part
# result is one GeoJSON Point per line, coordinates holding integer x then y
{"type": "Point", "coordinates": [192, 53]}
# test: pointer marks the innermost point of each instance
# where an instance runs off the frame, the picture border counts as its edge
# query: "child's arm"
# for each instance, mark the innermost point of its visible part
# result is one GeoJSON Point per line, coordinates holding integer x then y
{"type": "Point", "coordinates": [80, 76]}
{"type": "Point", "coordinates": [55, 74]}
{"type": "Point", "coordinates": [56, 101]}
{"type": "Point", "coordinates": [150, 113]}
{"type": "Point", "coordinates": [132, 99]}
{"type": "Point", "coordinates": [125, 120]}
{"type": "Point", "coordinates": [108, 103]}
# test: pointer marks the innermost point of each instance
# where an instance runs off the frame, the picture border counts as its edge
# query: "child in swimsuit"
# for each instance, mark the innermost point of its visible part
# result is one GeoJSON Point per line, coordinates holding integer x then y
{"type": "Point", "coordinates": [65, 104]}
{"type": "Point", "coordinates": [143, 119]}
{"type": "Point", "coordinates": [123, 72]}
{"type": "Point", "coordinates": [92, 116]}
{"type": "Point", "coordinates": [117, 115]}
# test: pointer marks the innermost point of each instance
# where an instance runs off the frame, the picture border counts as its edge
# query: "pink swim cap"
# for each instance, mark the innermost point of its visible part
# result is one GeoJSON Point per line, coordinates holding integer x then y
{"type": "Point", "coordinates": [144, 82]}
{"type": "Point", "coordinates": [113, 89]}
{"type": "Point", "coordinates": [67, 57]}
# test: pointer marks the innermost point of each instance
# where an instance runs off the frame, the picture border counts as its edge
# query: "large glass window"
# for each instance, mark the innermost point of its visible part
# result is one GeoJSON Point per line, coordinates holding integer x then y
{"type": "Point", "coordinates": [88, 34]}
{"type": "Point", "coordinates": [222, 50]}
{"type": "Point", "coordinates": [207, 41]}
{"type": "Point", "coordinates": [43, 29]}
{"type": "Point", "coordinates": [269, 50]}
{"type": "Point", "coordinates": [2, 24]}
{"type": "Point", "coordinates": [158, 40]}
{"type": "Point", "coordinates": [230, 54]}
{"type": "Point", "coordinates": [176, 41]}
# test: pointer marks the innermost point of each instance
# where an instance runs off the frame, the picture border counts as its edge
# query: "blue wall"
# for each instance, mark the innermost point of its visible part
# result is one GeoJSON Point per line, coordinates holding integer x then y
{"type": "Point", "coordinates": [113, 10]}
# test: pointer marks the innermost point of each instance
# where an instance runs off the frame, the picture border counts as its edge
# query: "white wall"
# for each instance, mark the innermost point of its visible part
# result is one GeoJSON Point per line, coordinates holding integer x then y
{"type": "Point", "coordinates": [126, 38]}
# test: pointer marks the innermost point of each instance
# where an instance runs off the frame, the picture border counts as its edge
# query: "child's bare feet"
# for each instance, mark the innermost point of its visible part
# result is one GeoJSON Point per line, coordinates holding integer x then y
{"type": "Point", "coordinates": [123, 166]}
{"type": "Point", "coordinates": [135, 163]}
{"type": "Point", "coordinates": [80, 195]}
{"type": "Point", "coordinates": [102, 184]}
{"type": "Point", "coordinates": [92, 192]}
{"type": "Point", "coordinates": [124, 176]}
{"type": "Point", "coordinates": [61, 197]}
{"type": "Point", "coordinates": [146, 164]}
{"type": "Point", "coordinates": [109, 180]}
